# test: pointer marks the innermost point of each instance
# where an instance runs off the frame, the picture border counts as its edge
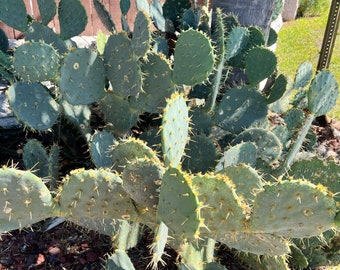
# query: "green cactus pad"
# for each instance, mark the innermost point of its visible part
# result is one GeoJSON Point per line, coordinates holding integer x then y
{"type": "Point", "coordinates": [323, 93]}
{"type": "Point", "coordinates": [4, 44]}
{"type": "Point", "coordinates": [319, 172]}
{"type": "Point", "coordinates": [236, 40]}
{"type": "Point", "coordinates": [129, 150]}
{"type": "Point", "coordinates": [104, 16]}
{"type": "Point", "coordinates": [294, 118]}
{"type": "Point", "coordinates": [99, 149]}
{"type": "Point", "coordinates": [122, 67]}
{"type": "Point", "coordinates": [260, 64]}
{"type": "Point", "coordinates": [222, 210]}
{"type": "Point", "coordinates": [95, 194]}
{"type": "Point", "coordinates": [294, 209]}
{"type": "Point", "coordinates": [241, 108]}
{"type": "Point", "coordinates": [14, 14]}
{"type": "Point", "coordinates": [202, 120]}
{"type": "Point", "coordinates": [53, 166]}
{"type": "Point", "coordinates": [82, 77]}
{"type": "Point", "coordinates": [278, 89]}
{"type": "Point", "coordinates": [247, 181]}
{"type": "Point", "coordinates": [142, 179]}
{"type": "Point", "coordinates": [157, 84]}
{"type": "Point", "coordinates": [67, 11]}
{"type": "Point", "coordinates": [141, 34]}
{"type": "Point", "coordinates": [268, 145]}
{"type": "Point", "coordinates": [178, 205]}
{"type": "Point", "coordinates": [33, 105]}
{"type": "Point", "coordinates": [193, 58]}
{"type": "Point", "coordinates": [240, 153]}
{"type": "Point", "coordinates": [35, 158]}
{"type": "Point", "coordinates": [119, 261]}
{"type": "Point", "coordinates": [256, 243]}
{"type": "Point", "coordinates": [36, 61]}
{"type": "Point", "coordinates": [24, 199]}
{"type": "Point", "coordinates": [175, 124]}
{"type": "Point", "coordinates": [119, 114]}
{"type": "Point", "coordinates": [39, 32]}
{"type": "Point", "coordinates": [201, 155]}
{"type": "Point", "coordinates": [47, 9]}
{"type": "Point", "coordinates": [158, 245]}
{"type": "Point", "coordinates": [303, 75]}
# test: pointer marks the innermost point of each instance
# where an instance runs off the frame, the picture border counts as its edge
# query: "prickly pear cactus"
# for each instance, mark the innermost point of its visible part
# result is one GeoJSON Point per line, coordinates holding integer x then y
{"type": "Point", "coordinates": [95, 194]}
{"type": "Point", "coordinates": [24, 198]}
{"type": "Point", "coordinates": [175, 124]}
{"type": "Point", "coordinates": [82, 77]}
{"type": "Point", "coordinates": [193, 61]}
{"type": "Point", "coordinates": [178, 206]}
{"type": "Point", "coordinates": [14, 14]}
{"type": "Point", "coordinates": [36, 62]}
{"type": "Point", "coordinates": [293, 208]}
{"type": "Point", "coordinates": [33, 105]}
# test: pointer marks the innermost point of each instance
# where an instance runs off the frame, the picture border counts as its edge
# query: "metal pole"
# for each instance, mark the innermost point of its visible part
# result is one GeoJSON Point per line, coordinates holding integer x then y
{"type": "Point", "coordinates": [330, 35]}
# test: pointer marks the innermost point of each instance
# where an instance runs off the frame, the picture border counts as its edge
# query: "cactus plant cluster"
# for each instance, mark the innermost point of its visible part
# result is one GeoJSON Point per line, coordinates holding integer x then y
{"type": "Point", "coordinates": [210, 169]}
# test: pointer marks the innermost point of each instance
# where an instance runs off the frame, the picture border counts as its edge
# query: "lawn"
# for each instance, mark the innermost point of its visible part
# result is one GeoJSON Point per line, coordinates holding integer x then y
{"type": "Point", "coordinates": [300, 41]}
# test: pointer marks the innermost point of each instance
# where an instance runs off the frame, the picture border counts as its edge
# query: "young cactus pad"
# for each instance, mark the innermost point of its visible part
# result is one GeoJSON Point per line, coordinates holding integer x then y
{"type": "Point", "coordinates": [82, 77]}
{"type": "Point", "coordinates": [175, 124]}
{"type": "Point", "coordinates": [24, 199]}
{"type": "Point", "coordinates": [193, 58]}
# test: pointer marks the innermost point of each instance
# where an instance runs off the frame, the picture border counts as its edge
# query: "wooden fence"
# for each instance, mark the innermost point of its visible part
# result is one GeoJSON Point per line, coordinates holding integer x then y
{"type": "Point", "coordinates": [94, 23]}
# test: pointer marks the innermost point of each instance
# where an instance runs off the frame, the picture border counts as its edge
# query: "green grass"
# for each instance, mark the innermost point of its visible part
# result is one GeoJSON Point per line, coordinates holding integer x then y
{"type": "Point", "coordinates": [300, 41]}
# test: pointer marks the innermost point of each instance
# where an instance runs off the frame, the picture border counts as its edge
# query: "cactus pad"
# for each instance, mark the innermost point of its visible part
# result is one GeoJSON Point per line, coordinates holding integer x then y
{"type": "Point", "coordinates": [240, 108]}
{"type": "Point", "coordinates": [294, 209]}
{"type": "Point", "coordinates": [129, 150]}
{"type": "Point", "coordinates": [47, 9]}
{"type": "Point", "coordinates": [36, 61]}
{"type": "Point", "coordinates": [178, 205]}
{"type": "Point", "coordinates": [39, 32]}
{"type": "Point", "coordinates": [256, 243]}
{"type": "Point", "coordinates": [268, 145]}
{"type": "Point", "coordinates": [82, 77]}
{"type": "Point", "coordinates": [24, 199]}
{"type": "Point", "coordinates": [240, 153]}
{"type": "Point", "coordinates": [67, 11]}
{"type": "Point", "coordinates": [193, 58]}
{"type": "Point", "coordinates": [118, 113]}
{"type": "Point", "coordinates": [35, 157]}
{"type": "Point", "coordinates": [222, 210]}
{"type": "Point", "coordinates": [141, 34]}
{"type": "Point", "coordinates": [157, 84]}
{"type": "Point", "coordinates": [141, 180]}
{"type": "Point", "coordinates": [33, 105]}
{"type": "Point", "coordinates": [303, 75]}
{"type": "Point", "coordinates": [122, 68]}
{"type": "Point", "coordinates": [99, 149]}
{"type": "Point", "coordinates": [260, 64]}
{"type": "Point", "coordinates": [175, 124]}
{"type": "Point", "coordinates": [14, 14]}
{"type": "Point", "coordinates": [323, 93]}
{"type": "Point", "coordinates": [247, 181]}
{"type": "Point", "coordinates": [201, 155]}
{"type": "Point", "coordinates": [96, 194]}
